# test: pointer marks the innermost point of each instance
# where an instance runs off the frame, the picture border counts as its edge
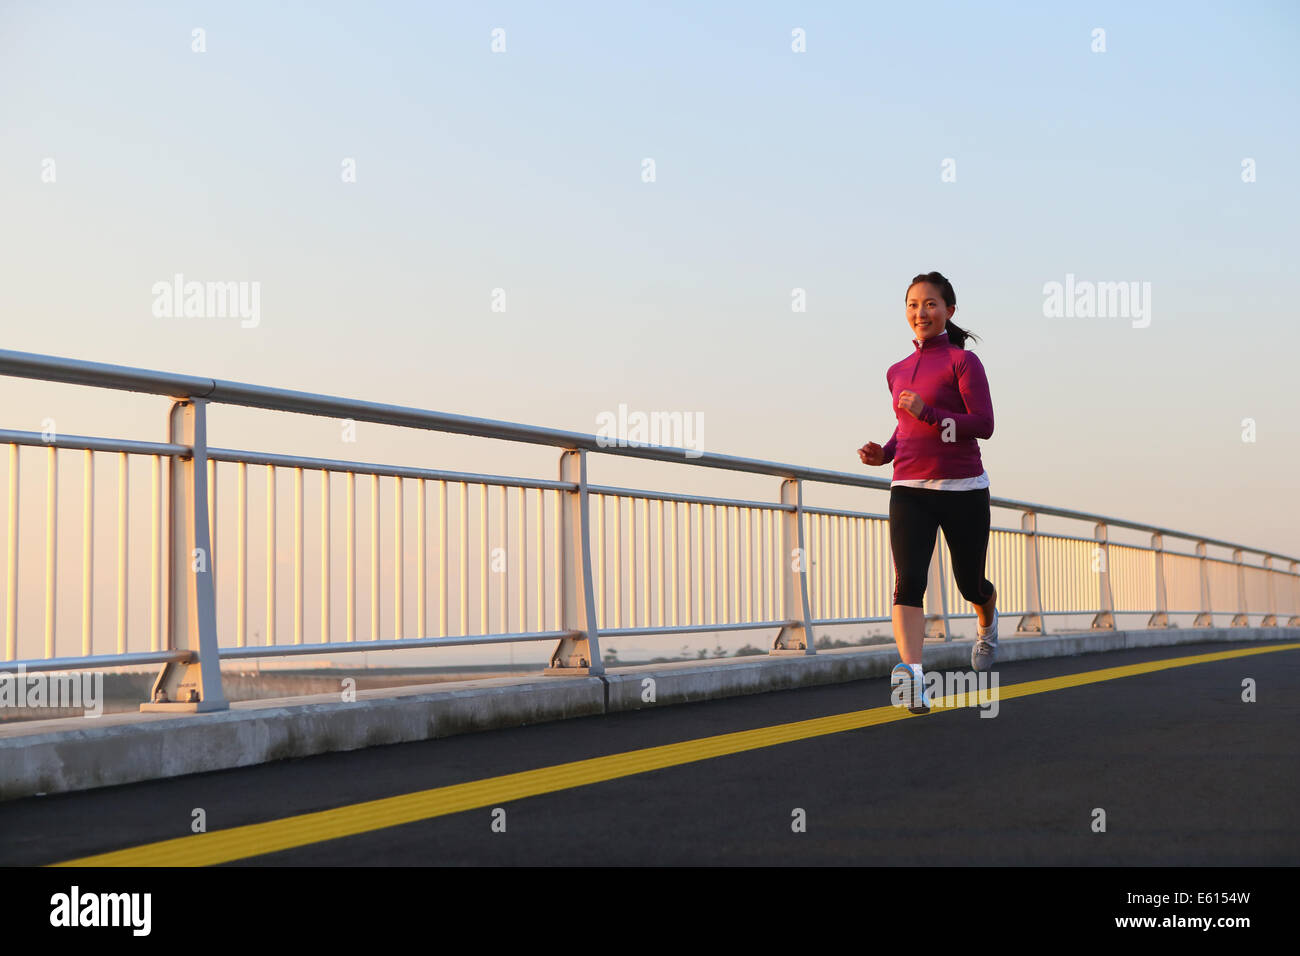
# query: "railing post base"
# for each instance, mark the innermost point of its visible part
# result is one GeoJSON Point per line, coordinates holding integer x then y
{"type": "Point", "coordinates": [1203, 620]}
{"type": "Point", "coordinates": [790, 640]}
{"type": "Point", "coordinates": [1103, 621]}
{"type": "Point", "coordinates": [1270, 620]}
{"type": "Point", "coordinates": [1159, 619]}
{"type": "Point", "coordinates": [576, 670]}
{"type": "Point", "coordinates": [935, 629]}
{"type": "Point", "coordinates": [179, 686]}
{"type": "Point", "coordinates": [1030, 624]}
{"type": "Point", "coordinates": [1240, 620]}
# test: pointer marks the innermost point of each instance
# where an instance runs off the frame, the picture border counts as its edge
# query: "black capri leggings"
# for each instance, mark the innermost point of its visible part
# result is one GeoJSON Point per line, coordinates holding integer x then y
{"type": "Point", "coordinates": [914, 516]}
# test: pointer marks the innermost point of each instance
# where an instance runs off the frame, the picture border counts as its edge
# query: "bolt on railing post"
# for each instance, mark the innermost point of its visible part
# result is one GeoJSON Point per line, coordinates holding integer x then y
{"type": "Point", "coordinates": [1032, 621]}
{"type": "Point", "coordinates": [936, 625]}
{"type": "Point", "coordinates": [193, 685]}
{"type": "Point", "coordinates": [1242, 617]}
{"type": "Point", "coordinates": [1270, 619]}
{"type": "Point", "coordinates": [1104, 619]}
{"type": "Point", "coordinates": [580, 655]}
{"type": "Point", "coordinates": [1206, 617]}
{"type": "Point", "coordinates": [1161, 617]}
{"type": "Point", "coordinates": [796, 635]}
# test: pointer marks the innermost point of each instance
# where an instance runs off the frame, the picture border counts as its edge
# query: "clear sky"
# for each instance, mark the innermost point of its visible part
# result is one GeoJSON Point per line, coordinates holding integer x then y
{"type": "Point", "coordinates": [775, 170]}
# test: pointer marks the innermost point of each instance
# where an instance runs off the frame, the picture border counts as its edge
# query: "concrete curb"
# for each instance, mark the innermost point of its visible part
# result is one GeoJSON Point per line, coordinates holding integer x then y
{"type": "Point", "coordinates": [54, 756]}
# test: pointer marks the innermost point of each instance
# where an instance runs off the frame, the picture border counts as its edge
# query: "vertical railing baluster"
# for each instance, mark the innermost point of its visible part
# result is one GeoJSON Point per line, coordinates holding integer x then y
{"type": "Point", "coordinates": [124, 557]}
{"type": "Point", "coordinates": [672, 561]}
{"type": "Point", "coordinates": [374, 557]}
{"type": "Point", "coordinates": [443, 556]}
{"type": "Point", "coordinates": [645, 558]}
{"type": "Point", "coordinates": [770, 562]}
{"type": "Point", "coordinates": [660, 578]}
{"type": "Point", "coordinates": [838, 566]}
{"type": "Point", "coordinates": [421, 570]}
{"type": "Point", "coordinates": [541, 559]}
{"type": "Point", "coordinates": [88, 554]}
{"type": "Point", "coordinates": [503, 591]}
{"type": "Point", "coordinates": [324, 557]}
{"type": "Point", "coordinates": [351, 546]}
{"type": "Point", "coordinates": [269, 640]}
{"type": "Point", "coordinates": [241, 556]}
{"type": "Point", "coordinates": [464, 558]}
{"type": "Point", "coordinates": [749, 516]}
{"type": "Point", "coordinates": [11, 569]}
{"type": "Point", "coordinates": [599, 504]}
{"type": "Point", "coordinates": [618, 564]}
{"type": "Point", "coordinates": [726, 563]}
{"type": "Point", "coordinates": [483, 559]}
{"type": "Point", "coordinates": [633, 571]}
{"type": "Point", "coordinates": [521, 553]}
{"type": "Point", "coordinates": [556, 544]}
{"type": "Point", "coordinates": [297, 556]}
{"type": "Point", "coordinates": [713, 564]}
{"type": "Point", "coordinates": [399, 559]}
{"type": "Point", "coordinates": [212, 522]}
{"type": "Point", "coordinates": [690, 567]}
{"type": "Point", "coordinates": [51, 544]}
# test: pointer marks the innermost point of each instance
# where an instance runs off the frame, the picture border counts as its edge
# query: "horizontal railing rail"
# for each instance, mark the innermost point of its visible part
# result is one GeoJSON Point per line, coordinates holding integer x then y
{"type": "Point", "coordinates": [561, 560]}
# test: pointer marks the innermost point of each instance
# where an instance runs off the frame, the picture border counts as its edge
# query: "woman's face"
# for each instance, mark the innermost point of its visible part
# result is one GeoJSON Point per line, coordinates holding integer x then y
{"type": "Point", "coordinates": [926, 312]}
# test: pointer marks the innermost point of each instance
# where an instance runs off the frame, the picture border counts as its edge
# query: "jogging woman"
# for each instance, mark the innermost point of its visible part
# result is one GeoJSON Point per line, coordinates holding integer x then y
{"type": "Point", "coordinates": [941, 397]}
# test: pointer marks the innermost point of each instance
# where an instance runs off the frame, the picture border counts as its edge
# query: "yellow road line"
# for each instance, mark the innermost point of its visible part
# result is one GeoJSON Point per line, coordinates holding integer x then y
{"type": "Point", "coordinates": [238, 843]}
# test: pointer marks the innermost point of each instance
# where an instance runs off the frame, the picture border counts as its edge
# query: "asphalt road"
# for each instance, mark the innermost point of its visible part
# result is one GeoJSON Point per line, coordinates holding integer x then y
{"type": "Point", "coordinates": [1186, 772]}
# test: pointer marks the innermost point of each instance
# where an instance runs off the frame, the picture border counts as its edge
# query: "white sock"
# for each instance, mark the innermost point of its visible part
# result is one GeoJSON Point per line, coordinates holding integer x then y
{"type": "Point", "coordinates": [986, 631]}
{"type": "Point", "coordinates": [921, 692]}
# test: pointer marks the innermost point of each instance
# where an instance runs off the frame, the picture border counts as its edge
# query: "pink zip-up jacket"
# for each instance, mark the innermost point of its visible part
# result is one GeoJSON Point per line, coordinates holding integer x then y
{"type": "Point", "coordinates": [952, 384]}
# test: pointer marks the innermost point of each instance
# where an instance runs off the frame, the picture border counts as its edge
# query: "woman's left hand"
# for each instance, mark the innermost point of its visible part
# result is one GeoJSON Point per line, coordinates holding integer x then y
{"type": "Point", "coordinates": [911, 403]}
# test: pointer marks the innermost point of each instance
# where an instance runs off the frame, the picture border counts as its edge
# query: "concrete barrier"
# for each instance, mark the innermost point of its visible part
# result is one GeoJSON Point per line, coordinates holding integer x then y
{"type": "Point", "coordinates": [53, 756]}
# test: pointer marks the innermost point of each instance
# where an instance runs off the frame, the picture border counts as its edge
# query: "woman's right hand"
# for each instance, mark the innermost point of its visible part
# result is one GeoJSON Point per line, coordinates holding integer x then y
{"type": "Point", "coordinates": [871, 454]}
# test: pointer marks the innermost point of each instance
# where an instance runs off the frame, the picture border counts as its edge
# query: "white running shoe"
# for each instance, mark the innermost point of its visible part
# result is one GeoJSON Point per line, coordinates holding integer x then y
{"type": "Point", "coordinates": [913, 691]}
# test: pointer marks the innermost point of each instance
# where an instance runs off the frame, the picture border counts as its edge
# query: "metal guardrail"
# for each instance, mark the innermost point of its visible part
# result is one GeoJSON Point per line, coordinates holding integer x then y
{"type": "Point", "coordinates": [783, 565]}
